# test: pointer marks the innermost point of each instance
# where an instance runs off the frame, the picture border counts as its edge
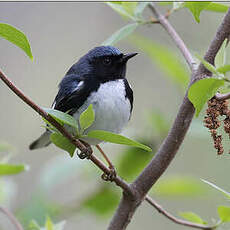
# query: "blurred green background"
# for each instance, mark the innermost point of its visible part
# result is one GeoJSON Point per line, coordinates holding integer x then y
{"type": "Point", "coordinates": [65, 188]}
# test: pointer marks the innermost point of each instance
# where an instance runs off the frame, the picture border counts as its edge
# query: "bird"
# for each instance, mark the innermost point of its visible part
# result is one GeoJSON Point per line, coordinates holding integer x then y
{"type": "Point", "coordinates": [97, 78]}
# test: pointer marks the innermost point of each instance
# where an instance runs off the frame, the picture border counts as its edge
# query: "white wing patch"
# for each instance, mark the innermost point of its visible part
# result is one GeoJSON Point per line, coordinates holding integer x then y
{"type": "Point", "coordinates": [80, 85]}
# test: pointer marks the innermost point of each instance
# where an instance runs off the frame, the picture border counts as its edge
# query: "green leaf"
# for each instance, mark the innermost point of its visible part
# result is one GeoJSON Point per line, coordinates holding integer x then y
{"type": "Point", "coordinates": [132, 156]}
{"type": "Point", "coordinates": [102, 202]}
{"type": "Point", "coordinates": [179, 186]}
{"type": "Point", "coordinates": [192, 217]}
{"type": "Point", "coordinates": [140, 8]}
{"type": "Point", "coordinates": [220, 59]}
{"type": "Point", "coordinates": [165, 3]}
{"type": "Point", "coordinates": [49, 126]}
{"type": "Point", "coordinates": [33, 225]}
{"type": "Point", "coordinates": [178, 5]}
{"type": "Point", "coordinates": [16, 37]}
{"type": "Point", "coordinates": [63, 143]}
{"type": "Point", "coordinates": [49, 224]}
{"type": "Point", "coordinates": [37, 208]}
{"type": "Point", "coordinates": [87, 118]}
{"type": "Point", "coordinates": [224, 69]}
{"type": "Point", "coordinates": [207, 65]}
{"type": "Point", "coordinates": [129, 7]}
{"type": "Point", "coordinates": [196, 8]}
{"type": "Point", "coordinates": [217, 7]}
{"type": "Point", "coordinates": [9, 169]}
{"type": "Point", "coordinates": [120, 34]}
{"type": "Point", "coordinates": [116, 138]}
{"type": "Point", "coordinates": [62, 118]}
{"type": "Point", "coordinates": [227, 194]}
{"type": "Point", "coordinates": [165, 58]}
{"type": "Point", "coordinates": [120, 9]}
{"type": "Point", "coordinates": [202, 91]}
{"type": "Point", "coordinates": [224, 213]}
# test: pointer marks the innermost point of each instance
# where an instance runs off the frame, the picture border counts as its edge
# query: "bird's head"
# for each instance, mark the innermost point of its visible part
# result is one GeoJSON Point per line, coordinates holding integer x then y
{"type": "Point", "coordinates": [105, 63]}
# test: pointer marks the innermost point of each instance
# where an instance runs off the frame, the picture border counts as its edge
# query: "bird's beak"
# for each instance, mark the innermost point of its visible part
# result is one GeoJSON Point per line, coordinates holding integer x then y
{"type": "Point", "coordinates": [126, 57]}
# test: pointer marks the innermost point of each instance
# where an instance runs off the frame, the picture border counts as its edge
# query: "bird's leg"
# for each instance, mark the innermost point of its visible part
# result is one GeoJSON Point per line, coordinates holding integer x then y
{"type": "Point", "coordinates": [87, 153]}
{"type": "Point", "coordinates": [112, 174]}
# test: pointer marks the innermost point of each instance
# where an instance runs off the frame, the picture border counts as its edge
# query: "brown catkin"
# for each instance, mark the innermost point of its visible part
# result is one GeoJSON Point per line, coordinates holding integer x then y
{"type": "Point", "coordinates": [211, 121]}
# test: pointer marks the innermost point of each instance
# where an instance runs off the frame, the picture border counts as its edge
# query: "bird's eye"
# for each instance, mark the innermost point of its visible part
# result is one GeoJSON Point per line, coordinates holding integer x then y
{"type": "Point", "coordinates": [107, 61]}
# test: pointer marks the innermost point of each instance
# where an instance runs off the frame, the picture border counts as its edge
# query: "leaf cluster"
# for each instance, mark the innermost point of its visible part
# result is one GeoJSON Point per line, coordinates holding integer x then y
{"type": "Point", "coordinates": [86, 119]}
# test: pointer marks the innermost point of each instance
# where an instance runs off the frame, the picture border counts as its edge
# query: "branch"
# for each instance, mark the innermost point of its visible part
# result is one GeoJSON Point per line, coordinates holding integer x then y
{"type": "Point", "coordinates": [86, 149]}
{"type": "Point", "coordinates": [12, 218]}
{"type": "Point", "coordinates": [173, 34]}
{"type": "Point", "coordinates": [175, 219]}
{"type": "Point", "coordinates": [222, 97]}
{"type": "Point", "coordinates": [171, 144]}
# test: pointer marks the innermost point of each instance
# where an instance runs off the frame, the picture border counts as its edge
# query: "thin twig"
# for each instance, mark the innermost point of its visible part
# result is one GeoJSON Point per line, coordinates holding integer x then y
{"type": "Point", "coordinates": [222, 97]}
{"type": "Point", "coordinates": [121, 183]}
{"type": "Point", "coordinates": [156, 21]}
{"type": "Point", "coordinates": [174, 35]}
{"type": "Point", "coordinates": [12, 218]}
{"type": "Point", "coordinates": [175, 219]}
{"type": "Point", "coordinates": [105, 157]}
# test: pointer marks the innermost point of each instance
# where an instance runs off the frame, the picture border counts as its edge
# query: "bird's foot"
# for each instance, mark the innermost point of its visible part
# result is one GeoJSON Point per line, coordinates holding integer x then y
{"type": "Point", "coordinates": [86, 153]}
{"type": "Point", "coordinates": [109, 176]}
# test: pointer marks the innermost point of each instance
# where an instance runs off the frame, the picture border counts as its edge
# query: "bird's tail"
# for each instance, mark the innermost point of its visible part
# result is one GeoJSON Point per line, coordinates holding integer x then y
{"type": "Point", "coordinates": [42, 141]}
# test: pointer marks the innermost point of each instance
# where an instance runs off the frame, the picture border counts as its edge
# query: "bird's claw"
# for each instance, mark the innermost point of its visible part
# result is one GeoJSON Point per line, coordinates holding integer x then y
{"type": "Point", "coordinates": [85, 153]}
{"type": "Point", "coordinates": [109, 176]}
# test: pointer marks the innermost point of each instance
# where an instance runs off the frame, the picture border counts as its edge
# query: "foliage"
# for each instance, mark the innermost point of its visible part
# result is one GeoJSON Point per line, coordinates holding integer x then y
{"type": "Point", "coordinates": [190, 216]}
{"type": "Point", "coordinates": [16, 37]}
{"type": "Point", "coordinates": [120, 34]}
{"type": "Point", "coordinates": [86, 120]}
{"type": "Point", "coordinates": [203, 90]}
{"type": "Point", "coordinates": [130, 10]}
{"type": "Point", "coordinates": [63, 143]}
{"type": "Point", "coordinates": [116, 138]}
{"type": "Point", "coordinates": [49, 225]}
{"type": "Point", "coordinates": [9, 169]}
{"type": "Point", "coordinates": [196, 8]}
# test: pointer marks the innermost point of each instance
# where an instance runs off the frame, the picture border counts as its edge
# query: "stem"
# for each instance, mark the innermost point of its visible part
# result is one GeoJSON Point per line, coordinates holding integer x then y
{"type": "Point", "coordinates": [12, 218]}
{"type": "Point", "coordinates": [175, 219]}
{"type": "Point", "coordinates": [222, 97]}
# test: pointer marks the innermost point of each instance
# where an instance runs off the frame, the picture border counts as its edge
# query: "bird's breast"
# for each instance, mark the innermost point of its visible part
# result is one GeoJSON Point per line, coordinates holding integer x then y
{"type": "Point", "coordinates": [112, 108]}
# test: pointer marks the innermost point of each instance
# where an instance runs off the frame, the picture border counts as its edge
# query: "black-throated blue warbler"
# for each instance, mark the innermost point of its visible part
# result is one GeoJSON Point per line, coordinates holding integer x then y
{"type": "Point", "coordinates": [98, 78]}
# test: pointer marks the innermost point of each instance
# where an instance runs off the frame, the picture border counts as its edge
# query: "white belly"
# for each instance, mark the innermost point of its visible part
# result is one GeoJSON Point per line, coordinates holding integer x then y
{"type": "Point", "coordinates": [111, 107]}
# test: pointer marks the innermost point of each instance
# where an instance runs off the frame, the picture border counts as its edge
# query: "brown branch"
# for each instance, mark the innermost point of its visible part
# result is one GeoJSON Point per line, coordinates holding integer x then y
{"type": "Point", "coordinates": [171, 144]}
{"type": "Point", "coordinates": [173, 34]}
{"type": "Point", "coordinates": [86, 149]}
{"type": "Point", "coordinates": [12, 218]}
{"type": "Point", "coordinates": [175, 219]}
{"type": "Point", "coordinates": [156, 21]}
{"type": "Point", "coordinates": [222, 97]}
